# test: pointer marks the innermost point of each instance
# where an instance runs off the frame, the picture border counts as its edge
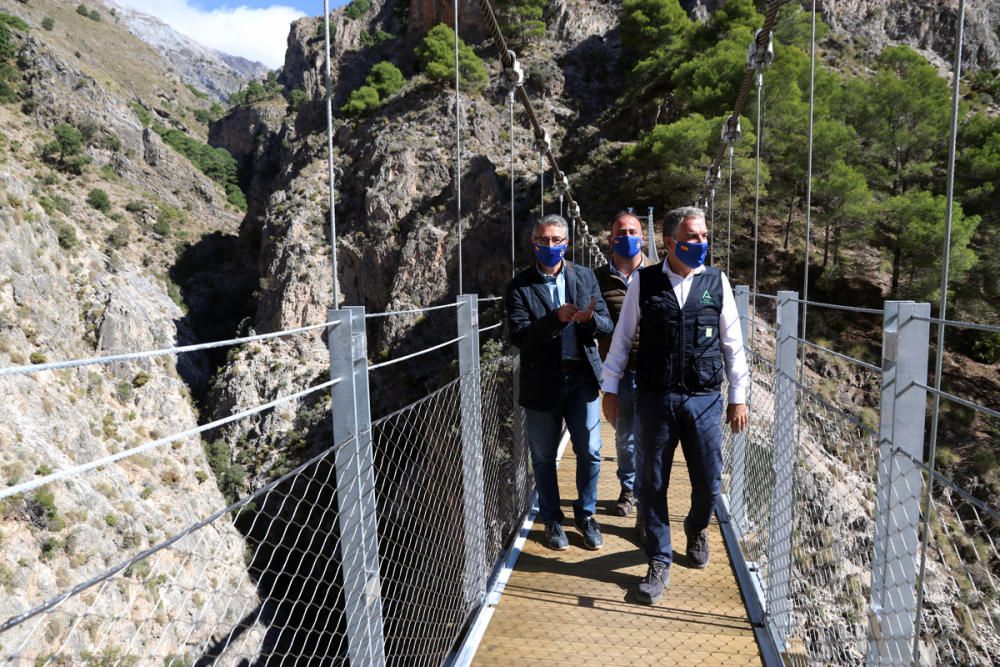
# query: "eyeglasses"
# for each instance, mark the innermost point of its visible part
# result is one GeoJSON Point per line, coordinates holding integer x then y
{"type": "Point", "coordinates": [550, 240]}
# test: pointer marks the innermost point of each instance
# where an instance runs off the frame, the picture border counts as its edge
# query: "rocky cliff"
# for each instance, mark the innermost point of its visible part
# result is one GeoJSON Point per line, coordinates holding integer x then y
{"type": "Point", "coordinates": [83, 275]}
{"type": "Point", "coordinates": [927, 25]}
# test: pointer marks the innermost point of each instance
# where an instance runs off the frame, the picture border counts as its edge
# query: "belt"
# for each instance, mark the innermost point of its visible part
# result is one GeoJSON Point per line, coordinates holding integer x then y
{"type": "Point", "coordinates": [570, 365]}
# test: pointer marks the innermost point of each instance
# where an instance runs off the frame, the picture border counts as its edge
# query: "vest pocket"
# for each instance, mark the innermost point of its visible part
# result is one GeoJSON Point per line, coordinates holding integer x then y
{"type": "Point", "coordinates": [709, 371]}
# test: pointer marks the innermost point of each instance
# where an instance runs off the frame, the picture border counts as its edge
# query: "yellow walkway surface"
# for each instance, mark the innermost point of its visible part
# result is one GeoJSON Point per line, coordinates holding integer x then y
{"type": "Point", "coordinates": [577, 606]}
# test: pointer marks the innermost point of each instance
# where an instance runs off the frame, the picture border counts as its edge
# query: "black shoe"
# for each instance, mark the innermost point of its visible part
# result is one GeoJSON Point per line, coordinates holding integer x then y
{"type": "Point", "coordinates": [697, 547]}
{"type": "Point", "coordinates": [640, 528]}
{"type": "Point", "coordinates": [555, 536]}
{"type": "Point", "coordinates": [625, 504]}
{"type": "Point", "coordinates": [591, 533]}
{"type": "Point", "coordinates": [650, 589]}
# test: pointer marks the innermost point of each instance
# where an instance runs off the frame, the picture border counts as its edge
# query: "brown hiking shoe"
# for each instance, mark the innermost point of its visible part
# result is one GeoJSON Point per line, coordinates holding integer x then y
{"type": "Point", "coordinates": [625, 504]}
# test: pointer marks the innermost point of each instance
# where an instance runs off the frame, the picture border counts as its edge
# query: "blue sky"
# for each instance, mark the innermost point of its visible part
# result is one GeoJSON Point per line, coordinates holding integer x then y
{"type": "Point", "coordinates": [254, 29]}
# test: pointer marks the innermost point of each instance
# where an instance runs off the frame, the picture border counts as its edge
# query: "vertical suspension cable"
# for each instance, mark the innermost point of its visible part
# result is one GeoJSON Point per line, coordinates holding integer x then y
{"type": "Point", "coordinates": [729, 221]}
{"type": "Point", "coordinates": [458, 157]}
{"type": "Point", "coordinates": [331, 193]}
{"type": "Point", "coordinates": [572, 237]}
{"type": "Point", "coordinates": [809, 185]}
{"type": "Point", "coordinates": [711, 228]}
{"type": "Point", "coordinates": [942, 314]}
{"type": "Point", "coordinates": [541, 184]}
{"type": "Point", "coordinates": [513, 265]}
{"type": "Point", "coordinates": [756, 203]}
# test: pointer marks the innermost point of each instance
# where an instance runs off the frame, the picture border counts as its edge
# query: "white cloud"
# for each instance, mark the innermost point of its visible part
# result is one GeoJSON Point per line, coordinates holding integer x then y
{"type": "Point", "coordinates": [257, 34]}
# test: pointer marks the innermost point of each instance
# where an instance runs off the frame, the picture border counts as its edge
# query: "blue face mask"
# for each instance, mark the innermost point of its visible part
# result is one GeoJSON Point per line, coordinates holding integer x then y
{"type": "Point", "coordinates": [549, 255]}
{"type": "Point", "coordinates": [692, 254]}
{"type": "Point", "coordinates": [626, 246]}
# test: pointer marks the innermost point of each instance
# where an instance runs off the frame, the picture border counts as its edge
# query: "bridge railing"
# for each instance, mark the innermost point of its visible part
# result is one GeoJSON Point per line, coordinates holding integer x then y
{"type": "Point", "coordinates": [375, 550]}
{"type": "Point", "coordinates": [823, 499]}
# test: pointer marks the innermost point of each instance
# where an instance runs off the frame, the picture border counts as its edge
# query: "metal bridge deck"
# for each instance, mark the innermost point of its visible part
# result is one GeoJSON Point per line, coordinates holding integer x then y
{"type": "Point", "coordinates": [576, 606]}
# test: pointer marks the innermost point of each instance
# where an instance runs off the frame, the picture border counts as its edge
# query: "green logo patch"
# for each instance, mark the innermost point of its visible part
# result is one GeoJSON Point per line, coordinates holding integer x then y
{"type": "Point", "coordinates": [706, 297]}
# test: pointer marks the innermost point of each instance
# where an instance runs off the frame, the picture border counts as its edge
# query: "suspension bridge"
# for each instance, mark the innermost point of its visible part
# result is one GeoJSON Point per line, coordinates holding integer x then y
{"type": "Point", "coordinates": [408, 540]}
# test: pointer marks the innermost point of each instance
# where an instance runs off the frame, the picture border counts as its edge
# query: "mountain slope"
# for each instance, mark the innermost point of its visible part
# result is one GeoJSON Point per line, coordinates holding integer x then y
{"type": "Point", "coordinates": [219, 74]}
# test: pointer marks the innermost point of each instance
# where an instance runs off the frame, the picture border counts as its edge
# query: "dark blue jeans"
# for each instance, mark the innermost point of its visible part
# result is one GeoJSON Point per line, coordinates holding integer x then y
{"type": "Point", "coordinates": [626, 434]}
{"type": "Point", "coordinates": [696, 422]}
{"type": "Point", "coordinates": [576, 402]}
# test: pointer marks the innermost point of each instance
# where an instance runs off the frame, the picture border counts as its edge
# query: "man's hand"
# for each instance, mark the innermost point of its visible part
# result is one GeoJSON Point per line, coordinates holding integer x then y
{"type": "Point", "coordinates": [567, 312]}
{"type": "Point", "coordinates": [609, 404]}
{"type": "Point", "coordinates": [737, 417]}
{"type": "Point", "coordinates": [587, 314]}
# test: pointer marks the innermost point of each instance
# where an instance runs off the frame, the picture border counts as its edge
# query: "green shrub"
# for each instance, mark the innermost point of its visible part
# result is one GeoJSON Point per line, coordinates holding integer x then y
{"type": "Point", "coordinates": [142, 113]}
{"type": "Point", "coordinates": [986, 348]}
{"type": "Point", "coordinates": [375, 38]}
{"type": "Point", "coordinates": [82, 10]}
{"type": "Point", "coordinates": [8, 94]}
{"type": "Point", "coordinates": [65, 149]}
{"type": "Point", "coordinates": [66, 236]}
{"type": "Point", "coordinates": [123, 391]}
{"type": "Point", "coordinates": [120, 236]}
{"type": "Point", "coordinates": [361, 101]}
{"type": "Point", "coordinates": [94, 15]}
{"type": "Point", "coordinates": [236, 197]}
{"type": "Point", "coordinates": [140, 379]}
{"type": "Point", "coordinates": [355, 8]}
{"type": "Point", "coordinates": [60, 204]}
{"type": "Point", "coordinates": [14, 22]}
{"type": "Point", "coordinates": [297, 98]}
{"type": "Point", "coordinates": [48, 23]}
{"type": "Point", "coordinates": [437, 56]}
{"type": "Point", "coordinates": [37, 358]}
{"type": "Point", "coordinates": [50, 546]}
{"type": "Point", "coordinates": [161, 227]}
{"type": "Point", "coordinates": [200, 94]}
{"type": "Point", "coordinates": [521, 20]}
{"type": "Point", "coordinates": [229, 476]}
{"type": "Point", "coordinates": [136, 206]}
{"type": "Point", "coordinates": [385, 78]}
{"type": "Point", "coordinates": [98, 199]}
{"type": "Point", "coordinates": [216, 163]}
{"type": "Point", "coordinates": [43, 511]}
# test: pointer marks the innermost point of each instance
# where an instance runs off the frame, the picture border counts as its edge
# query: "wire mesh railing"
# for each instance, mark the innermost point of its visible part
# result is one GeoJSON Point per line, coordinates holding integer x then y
{"type": "Point", "coordinates": [418, 466]}
{"type": "Point", "coordinates": [271, 578]}
{"type": "Point", "coordinates": [507, 480]}
{"type": "Point", "coordinates": [855, 502]}
{"type": "Point", "coordinates": [269, 589]}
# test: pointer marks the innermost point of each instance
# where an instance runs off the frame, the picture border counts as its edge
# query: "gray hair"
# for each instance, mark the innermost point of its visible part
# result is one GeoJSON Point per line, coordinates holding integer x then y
{"type": "Point", "coordinates": [552, 220]}
{"type": "Point", "coordinates": [677, 216]}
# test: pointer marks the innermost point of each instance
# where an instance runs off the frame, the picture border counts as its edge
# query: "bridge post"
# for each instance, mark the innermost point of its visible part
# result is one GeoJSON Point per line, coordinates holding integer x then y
{"type": "Point", "coordinates": [905, 341]}
{"type": "Point", "coordinates": [737, 479]}
{"type": "Point", "coordinates": [355, 465]}
{"type": "Point", "coordinates": [473, 502]}
{"type": "Point", "coordinates": [779, 546]}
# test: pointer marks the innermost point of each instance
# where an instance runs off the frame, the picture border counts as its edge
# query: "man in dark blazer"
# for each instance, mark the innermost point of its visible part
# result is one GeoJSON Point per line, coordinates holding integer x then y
{"type": "Point", "coordinates": [554, 314]}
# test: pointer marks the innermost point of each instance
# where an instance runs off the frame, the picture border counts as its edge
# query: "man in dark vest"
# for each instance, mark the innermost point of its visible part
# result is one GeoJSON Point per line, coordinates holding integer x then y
{"type": "Point", "coordinates": [691, 342]}
{"type": "Point", "coordinates": [555, 313]}
{"type": "Point", "coordinates": [614, 278]}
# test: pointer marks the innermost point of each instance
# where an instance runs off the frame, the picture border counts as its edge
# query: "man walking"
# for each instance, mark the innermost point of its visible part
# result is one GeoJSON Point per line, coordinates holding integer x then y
{"type": "Point", "coordinates": [614, 278]}
{"type": "Point", "coordinates": [554, 314]}
{"type": "Point", "coordinates": [690, 337]}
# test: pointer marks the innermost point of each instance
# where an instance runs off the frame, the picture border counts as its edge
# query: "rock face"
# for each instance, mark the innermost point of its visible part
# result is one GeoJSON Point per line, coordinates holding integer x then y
{"type": "Point", "coordinates": [216, 73]}
{"type": "Point", "coordinates": [78, 282]}
{"type": "Point", "coordinates": [927, 25]}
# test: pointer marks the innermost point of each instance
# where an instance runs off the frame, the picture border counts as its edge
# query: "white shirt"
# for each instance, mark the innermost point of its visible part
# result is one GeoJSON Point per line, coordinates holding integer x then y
{"type": "Point", "coordinates": [730, 334]}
